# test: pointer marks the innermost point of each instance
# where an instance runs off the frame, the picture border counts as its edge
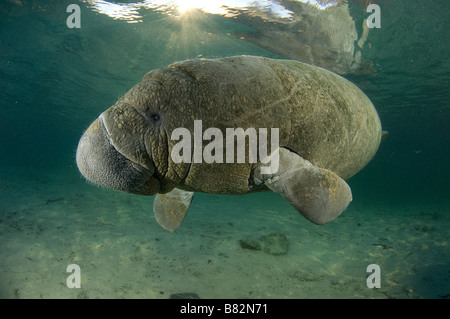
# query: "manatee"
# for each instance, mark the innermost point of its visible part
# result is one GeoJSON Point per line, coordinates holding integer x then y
{"type": "Point", "coordinates": [325, 38]}
{"type": "Point", "coordinates": [328, 130]}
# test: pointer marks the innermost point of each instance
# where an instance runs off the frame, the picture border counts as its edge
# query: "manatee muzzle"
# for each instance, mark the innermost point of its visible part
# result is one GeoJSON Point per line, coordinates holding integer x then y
{"type": "Point", "coordinates": [100, 162]}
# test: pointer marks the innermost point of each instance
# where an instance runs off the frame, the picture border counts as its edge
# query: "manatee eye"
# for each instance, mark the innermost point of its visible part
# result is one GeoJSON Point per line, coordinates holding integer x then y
{"type": "Point", "coordinates": [155, 117]}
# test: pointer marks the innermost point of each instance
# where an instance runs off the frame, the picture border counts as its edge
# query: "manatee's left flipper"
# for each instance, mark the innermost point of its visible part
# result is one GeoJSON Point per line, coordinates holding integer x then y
{"type": "Point", "coordinates": [318, 194]}
{"type": "Point", "coordinates": [170, 208]}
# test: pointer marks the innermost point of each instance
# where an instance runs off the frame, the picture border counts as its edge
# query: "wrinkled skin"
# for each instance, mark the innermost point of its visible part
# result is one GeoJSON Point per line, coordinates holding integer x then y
{"type": "Point", "coordinates": [322, 117]}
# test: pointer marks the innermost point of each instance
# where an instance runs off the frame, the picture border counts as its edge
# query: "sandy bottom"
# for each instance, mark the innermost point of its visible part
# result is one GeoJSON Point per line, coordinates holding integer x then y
{"type": "Point", "coordinates": [49, 221]}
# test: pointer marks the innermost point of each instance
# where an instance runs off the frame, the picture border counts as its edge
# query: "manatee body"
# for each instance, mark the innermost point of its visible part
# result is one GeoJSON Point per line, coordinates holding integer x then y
{"type": "Point", "coordinates": [328, 131]}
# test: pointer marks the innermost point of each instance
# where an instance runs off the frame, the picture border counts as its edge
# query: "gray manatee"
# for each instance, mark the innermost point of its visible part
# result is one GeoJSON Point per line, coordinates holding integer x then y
{"type": "Point", "coordinates": [328, 131]}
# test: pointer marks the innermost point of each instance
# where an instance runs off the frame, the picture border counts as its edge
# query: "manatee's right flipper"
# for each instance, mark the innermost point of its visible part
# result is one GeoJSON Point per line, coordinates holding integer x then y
{"type": "Point", "coordinates": [170, 208]}
{"type": "Point", "coordinates": [318, 194]}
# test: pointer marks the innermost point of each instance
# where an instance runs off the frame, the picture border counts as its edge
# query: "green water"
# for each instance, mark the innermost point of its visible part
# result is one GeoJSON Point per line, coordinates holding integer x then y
{"type": "Point", "coordinates": [54, 81]}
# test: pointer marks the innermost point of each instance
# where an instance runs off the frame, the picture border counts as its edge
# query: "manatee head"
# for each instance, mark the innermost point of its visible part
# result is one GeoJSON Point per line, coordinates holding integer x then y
{"type": "Point", "coordinates": [122, 148]}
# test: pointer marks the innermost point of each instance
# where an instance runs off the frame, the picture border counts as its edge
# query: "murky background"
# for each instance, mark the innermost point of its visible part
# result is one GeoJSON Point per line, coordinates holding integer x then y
{"type": "Point", "coordinates": [54, 81]}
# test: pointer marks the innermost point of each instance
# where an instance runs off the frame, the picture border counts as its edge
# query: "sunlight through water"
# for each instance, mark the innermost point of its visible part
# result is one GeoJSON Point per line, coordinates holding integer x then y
{"type": "Point", "coordinates": [132, 12]}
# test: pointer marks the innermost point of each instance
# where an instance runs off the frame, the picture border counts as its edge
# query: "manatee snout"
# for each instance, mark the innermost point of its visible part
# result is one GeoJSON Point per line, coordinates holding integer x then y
{"type": "Point", "coordinates": [100, 162]}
